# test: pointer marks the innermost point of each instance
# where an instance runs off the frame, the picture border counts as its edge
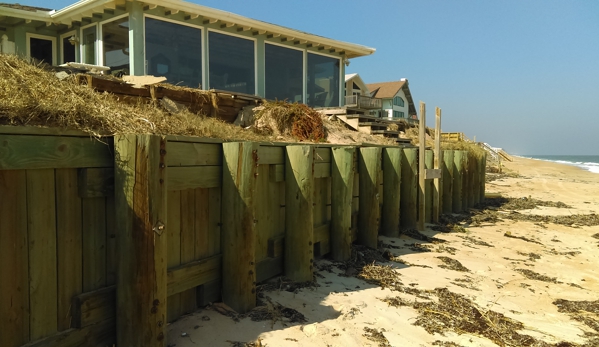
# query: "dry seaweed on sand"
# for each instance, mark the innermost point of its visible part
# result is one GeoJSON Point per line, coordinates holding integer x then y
{"type": "Point", "coordinates": [476, 241]}
{"type": "Point", "coordinates": [296, 120]}
{"type": "Point", "coordinates": [452, 264]}
{"type": "Point", "coordinates": [531, 256]}
{"type": "Point", "coordinates": [384, 276]}
{"type": "Point", "coordinates": [586, 312]}
{"type": "Point", "coordinates": [376, 336]}
{"type": "Point", "coordinates": [415, 234]}
{"type": "Point", "coordinates": [258, 343]}
{"type": "Point", "coordinates": [509, 234]}
{"type": "Point", "coordinates": [531, 275]}
{"type": "Point", "coordinates": [595, 235]}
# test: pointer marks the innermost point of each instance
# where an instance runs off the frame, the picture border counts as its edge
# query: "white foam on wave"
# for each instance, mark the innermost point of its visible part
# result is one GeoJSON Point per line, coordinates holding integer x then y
{"type": "Point", "coordinates": [589, 166]}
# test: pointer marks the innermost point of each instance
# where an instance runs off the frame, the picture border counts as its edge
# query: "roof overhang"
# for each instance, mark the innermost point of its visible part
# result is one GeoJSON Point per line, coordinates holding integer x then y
{"type": "Point", "coordinates": [86, 8]}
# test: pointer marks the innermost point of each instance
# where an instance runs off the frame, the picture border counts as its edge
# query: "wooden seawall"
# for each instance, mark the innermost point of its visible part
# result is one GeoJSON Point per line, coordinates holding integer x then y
{"type": "Point", "coordinates": [152, 227]}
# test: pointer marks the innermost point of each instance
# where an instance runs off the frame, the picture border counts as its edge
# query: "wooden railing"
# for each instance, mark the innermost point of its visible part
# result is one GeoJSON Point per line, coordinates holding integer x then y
{"type": "Point", "coordinates": [364, 102]}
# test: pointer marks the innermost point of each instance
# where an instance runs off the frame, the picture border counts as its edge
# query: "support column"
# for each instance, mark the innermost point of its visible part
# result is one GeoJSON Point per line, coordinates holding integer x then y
{"type": "Point", "coordinates": [299, 213]}
{"type": "Point", "coordinates": [137, 58]}
{"type": "Point", "coordinates": [392, 191]}
{"type": "Point", "coordinates": [342, 185]}
{"type": "Point", "coordinates": [370, 212]}
{"type": "Point", "coordinates": [240, 162]}
{"type": "Point", "coordinates": [437, 189]}
{"type": "Point", "coordinates": [408, 202]}
{"type": "Point", "coordinates": [447, 181]}
{"type": "Point", "coordinates": [140, 199]}
{"type": "Point", "coordinates": [421, 168]}
{"type": "Point", "coordinates": [458, 171]}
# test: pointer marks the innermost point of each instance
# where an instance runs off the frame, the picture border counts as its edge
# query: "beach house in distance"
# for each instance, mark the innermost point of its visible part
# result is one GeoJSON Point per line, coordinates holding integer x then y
{"type": "Point", "coordinates": [397, 99]}
{"type": "Point", "coordinates": [191, 45]}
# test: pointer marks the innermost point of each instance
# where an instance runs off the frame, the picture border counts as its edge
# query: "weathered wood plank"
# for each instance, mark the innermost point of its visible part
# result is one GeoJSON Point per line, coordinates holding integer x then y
{"type": "Point", "coordinates": [69, 244]}
{"type": "Point", "coordinates": [266, 201]}
{"type": "Point", "coordinates": [437, 155]}
{"type": "Point", "coordinates": [214, 221]}
{"type": "Point", "coordinates": [276, 246]}
{"type": "Point", "coordinates": [238, 229]}
{"type": "Point", "coordinates": [202, 215]}
{"type": "Point", "coordinates": [193, 154]}
{"type": "Point", "coordinates": [269, 268]}
{"type": "Point", "coordinates": [342, 184]}
{"type": "Point", "coordinates": [14, 263]}
{"type": "Point", "coordinates": [447, 181]}
{"type": "Point", "coordinates": [173, 251]}
{"type": "Point", "coordinates": [140, 196]}
{"type": "Point", "coordinates": [94, 307]}
{"type": "Point", "coordinates": [428, 165]}
{"type": "Point", "coordinates": [322, 155]}
{"type": "Point", "coordinates": [96, 182]}
{"type": "Point", "coordinates": [422, 203]}
{"type": "Point", "coordinates": [271, 155]}
{"type": "Point", "coordinates": [276, 173]}
{"type": "Point", "coordinates": [94, 243]}
{"type": "Point", "coordinates": [299, 212]}
{"type": "Point", "coordinates": [322, 236]}
{"type": "Point", "coordinates": [322, 170]}
{"type": "Point", "coordinates": [192, 177]}
{"type": "Point", "coordinates": [187, 239]}
{"type": "Point", "coordinates": [193, 274]}
{"type": "Point", "coordinates": [369, 216]}
{"type": "Point", "coordinates": [458, 171]}
{"type": "Point", "coordinates": [111, 245]}
{"type": "Point", "coordinates": [44, 152]}
{"type": "Point", "coordinates": [483, 177]}
{"type": "Point", "coordinates": [100, 334]}
{"type": "Point", "coordinates": [466, 172]}
{"type": "Point", "coordinates": [409, 188]}
{"type": "Point", "coordinates": [44, 131]}
{"type": "Point", "coordinates": [392, 189]}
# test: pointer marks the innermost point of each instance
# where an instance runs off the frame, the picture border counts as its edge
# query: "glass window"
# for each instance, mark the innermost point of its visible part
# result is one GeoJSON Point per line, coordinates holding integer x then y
{"type": "Point", "coordinates": [115, 41]}
{"type": "Point", "coordinates": [175, 52]}
{"type": "Point", "coordinates": [398, 101]}
{"type": "Point", "coordinates": [89, 45]}
{"type": "Point", "coordinates": [68, 50]}
{"type": "Point", "coordinates": [232, 63]}
{"type": "Point", "coordinates": [323, 81]}
{"type": "Point", "coordinates": [284, 73]}
{"type": "Point", "coordinates": [41, 49]}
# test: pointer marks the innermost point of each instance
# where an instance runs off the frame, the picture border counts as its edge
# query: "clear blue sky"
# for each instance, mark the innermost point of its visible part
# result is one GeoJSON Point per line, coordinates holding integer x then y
{"type": "Point", "coordinates": [522, 75]}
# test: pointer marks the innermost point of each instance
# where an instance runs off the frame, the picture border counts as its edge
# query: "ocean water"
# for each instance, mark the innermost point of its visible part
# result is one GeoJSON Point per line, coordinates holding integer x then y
{"type": "Point", "coordinates": [587, 162]}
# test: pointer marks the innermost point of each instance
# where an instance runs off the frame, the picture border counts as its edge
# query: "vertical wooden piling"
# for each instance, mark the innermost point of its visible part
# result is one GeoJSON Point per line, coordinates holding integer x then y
{"type": "Point", "coordinates": [421, 167]}
{"type": "Point", "coordinates": [458, 172]}
{"type": "Point", "coordinates": [483, 177]}
{"type": "Point", "coordinates": [428, 192]}
{"type": "Point", "coordinates": [466, 186]}
{"type": "Point", "coordinates": [369, 214]}
{"type": "Point", "coordinates": [476, 181]}
{"type": "Point", "coordinates": [342, 183]}
{"type": "Point", "coordinates": [238, 233]}
{"type": "Point", "coordinates": [438, 158]}
{"type": "Point", "coordinates": [299, 213]}
{"type": "Point", "coordinates": [447, 167]}
{"type": "Point", "coordinates": [408, 205]}
{"type": "Point", "coordinates": [140, 198]}
{"type": "Point", "coordinates": [392, 189]}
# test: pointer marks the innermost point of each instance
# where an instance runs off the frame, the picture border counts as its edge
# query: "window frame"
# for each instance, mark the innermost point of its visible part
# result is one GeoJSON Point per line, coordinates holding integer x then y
{"type": "Point", "coordinates": [100, 40]}
{"type": "Point", "coordinates": [61, 39]}
{"type": "Point", "coordinates": [29, 36]}
{"type": "Point", "coordinates": [255, 40]}
{"type": "Point", "coordinates": [96, 44]}
{"type": "Point", "coordinates": [304, 67]}
{"type": "Point", "coordinates": [341, 79]}
{"type": "Point", "coordinates": [204, 45]}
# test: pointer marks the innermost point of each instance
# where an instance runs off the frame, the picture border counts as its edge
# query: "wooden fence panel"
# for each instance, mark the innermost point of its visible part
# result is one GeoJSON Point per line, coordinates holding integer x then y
{"type": "Point", "coordinates": [409, 188]}
{"type": "Point", "coordinates": [14, 259]}
{"type": "Point", "coordinates": [173, 251]}
{"type": "Point", "coordinates": [94, 243]}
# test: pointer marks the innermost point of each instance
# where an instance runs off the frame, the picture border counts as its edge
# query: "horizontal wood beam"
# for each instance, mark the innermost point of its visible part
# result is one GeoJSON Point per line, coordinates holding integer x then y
{"type": "Point", "coordinates": [94, 307]}
{"type": "Point", "coordinates": [193, 154]}
{"type": "Point", "coordinates": [191, 275]}
{"type": "Point", "coordinates": [49, 152]}
{"type": "Point", "coordinates": [192, 177]}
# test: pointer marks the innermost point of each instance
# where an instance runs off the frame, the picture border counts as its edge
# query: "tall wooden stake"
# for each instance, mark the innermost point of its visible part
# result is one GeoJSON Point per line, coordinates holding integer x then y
{"type": "Point", "coordinates": [299, 213]}
{"type": "Point", "coordinates": [421, 167]}
{"type": "Point", "coordinates": [437, 191]}
{"type": "Point", "coordinates": [370, 212]}
{"type": "Point", "coordinates": [342, 185]}
{"type": "Point", "coordinates": [140, 198]}
{"type": "Point", "coordinates": [240, 162]}
{"type": "Point", "coordinates": [408, 201]}
{"type": "Point", "coordinates": [391, 188]}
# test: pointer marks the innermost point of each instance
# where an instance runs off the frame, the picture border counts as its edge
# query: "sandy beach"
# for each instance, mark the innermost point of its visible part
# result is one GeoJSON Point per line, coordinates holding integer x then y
{"type": "Point", "coordinates": [502, 270]}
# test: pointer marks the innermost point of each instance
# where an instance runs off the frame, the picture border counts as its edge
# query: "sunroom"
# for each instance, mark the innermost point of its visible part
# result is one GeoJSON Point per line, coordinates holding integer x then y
{"type": "Point", "coordinates": [191, 45]}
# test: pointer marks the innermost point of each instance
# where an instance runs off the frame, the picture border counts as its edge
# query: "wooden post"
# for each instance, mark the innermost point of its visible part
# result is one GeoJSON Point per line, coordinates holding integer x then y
{"type": "Point", "coordinates": [476, 181]}
{"type": "Point", "coordinates": [421, 167]}
{"type": "Point", "coordinates": [140, 199]}
{"type": "Point", "coordinates": [466, 186]}
{"type": "Point", "coordinates": [483, 176]}
{"type": "Point", "coordinates": [370, 212]}
{"type": "Point", "coordinates": [299, 213]}
{"type": "Point", "coordinates": [238, 233]}
{"type": "Point", "coordinates": [408, 206]}
{"type": "Point", "coordinates": [447, 195]}
{"type": "Point", "coordinates": [437, 189]}
{"type": "Point", "coordinates": [391, 188]}
{"type": "Point", "coordinates": [428, 192]}
{"type": "Point", "coordinates": [342, 185]}
{"type": "Point", "coordinates": [458, 171]}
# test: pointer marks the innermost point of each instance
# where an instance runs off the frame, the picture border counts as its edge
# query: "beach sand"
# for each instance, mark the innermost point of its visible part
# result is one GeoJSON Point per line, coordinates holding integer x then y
{"type": "Point", "coordinates": [344, 310]}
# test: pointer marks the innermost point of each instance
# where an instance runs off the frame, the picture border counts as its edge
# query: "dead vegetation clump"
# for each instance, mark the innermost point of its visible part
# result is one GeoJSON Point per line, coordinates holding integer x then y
{"type": "Point", "coordinates": [531, 275]}
{"type": "Point", "coordinates": [384, 276]}
{"type": "Point", "coordinates": [376, 336]}
{"type": "Point", "coordinates": [296, 120]}
{"type": "Point", "coordinates": [586, 312]}
{"type": "Point", "coordinates": [452, 264]}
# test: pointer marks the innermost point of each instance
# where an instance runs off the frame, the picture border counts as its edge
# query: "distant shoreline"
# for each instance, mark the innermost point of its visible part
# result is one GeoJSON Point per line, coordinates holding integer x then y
{"type": "Point", "coordinates": [585, 162]}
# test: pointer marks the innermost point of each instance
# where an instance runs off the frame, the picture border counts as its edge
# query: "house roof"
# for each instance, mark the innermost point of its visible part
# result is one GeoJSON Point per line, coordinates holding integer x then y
{"type": "Point", "coordinates": [387, 90]}
{"type": "Point", "coordinates": [86, 9]}
{"type": "Point", "coordinates": [24, 7]}
{"type": "Point", "coordinates": [358, 80]}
